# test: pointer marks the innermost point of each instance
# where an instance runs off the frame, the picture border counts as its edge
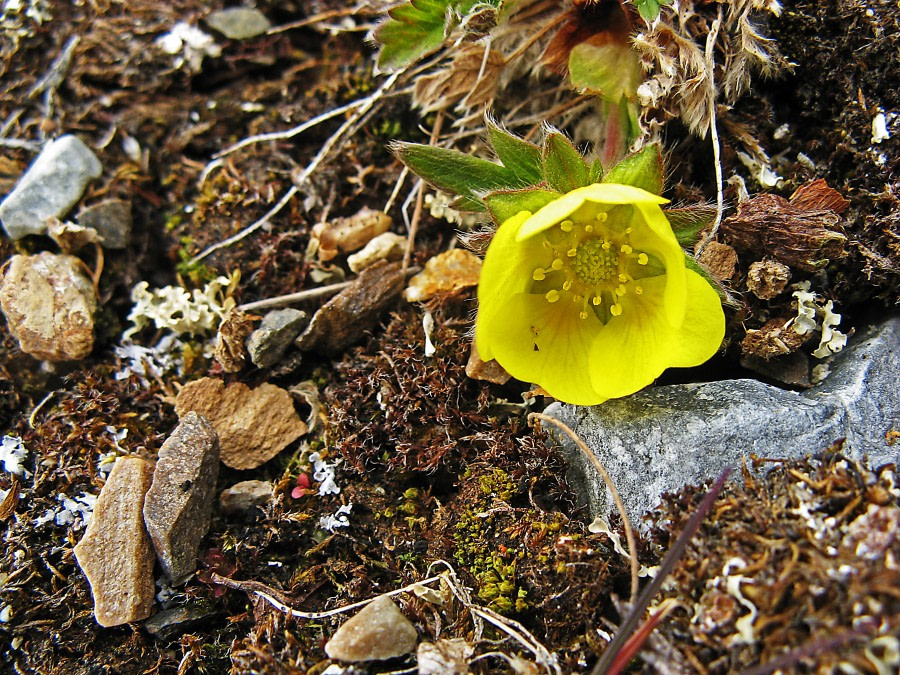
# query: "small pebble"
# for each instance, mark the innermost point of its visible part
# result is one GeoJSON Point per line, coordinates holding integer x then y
{"type": "Point", "coordinates": [239, 23]}
{"type": "Point", "coordinates": [243, 497]}
{"type": "Point", "coordinates": [378, 632]}
{"type": "Point", "coordinates": [445, 273]}
{"type": "Point", "coordinates": [268, 343]}
{"type": "Point", "coordinates": [112, 221]}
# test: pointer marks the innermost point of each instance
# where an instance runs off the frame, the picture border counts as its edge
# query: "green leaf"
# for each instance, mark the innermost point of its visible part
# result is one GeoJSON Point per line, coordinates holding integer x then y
{"type": "Point", "coordinates": [641, 169]}
{"type": "Point", "coordinates": [521, 157]}
{"type": "Point", "coordinates": [692, 264]}
{"type": "Point", "coordinates": [454, 171]}
{"type": "Point", "coordinates": [613, 69]}
{"type": "Point", "coordinates": [505, 204]}
{"type": "Point", "coordinates": [689, 221]}
{"type": "Point", "coordinates": [419, 27]}
{"type": "Point", "coordinates": [649, 9]}
{"type": "Point", "coordinates": [563, 166]}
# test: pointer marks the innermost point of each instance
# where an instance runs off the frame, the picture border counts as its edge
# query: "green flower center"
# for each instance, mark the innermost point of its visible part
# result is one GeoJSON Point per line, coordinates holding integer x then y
{"type": "Point", "coordinates": [595, 261]}
{"type": "Point", "coordinates": [594, 264]}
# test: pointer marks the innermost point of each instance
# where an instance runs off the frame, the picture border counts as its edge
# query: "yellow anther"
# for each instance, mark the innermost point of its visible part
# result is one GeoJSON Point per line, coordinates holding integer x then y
{"type": "Point", "coordinates": [538, 274]}
{"type": "Point", "coordinates": [606, 246]}
{"type": "Point", "coordinates": [638, 289]}
{"type": "Point", "coordinates": [556, 264]}
{"type": "Point", "coordinates": [626, 249]}
{"type": "Point", "coordinates": [620, 289]}
{"type": "Point", "coordinates": [566, 226]}
{"type": "Point", "coordinates": [616, 310]}
{"type": "Point", "coordinates": [629, 230]}
{"type": "Point", "coordinates": [596, 300]}
{"type": "Point", "coordinates": [567, 284]}
{"type": "Point", "coordinates": [552, 296]}
{"type": "Point", "coordinates": [643, 259]}
{"type": "Point", "coordinates": [602, 216]}
{"type": "Point", "coordinates": [623, 278]}
{"type": "Point", "coordinates": [582, 314]}
{"type": "Point", "coordinates": [588, 228]}
{"type": "Point", "coordinates": [572, 252]}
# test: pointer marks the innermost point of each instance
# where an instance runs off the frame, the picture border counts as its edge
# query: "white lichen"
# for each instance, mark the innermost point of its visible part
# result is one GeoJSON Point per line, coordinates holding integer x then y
{"type": "Point", "coordinates": [814, 314]}
{"type": "Point", "coordinates": [324, 473]}
{"type": "Point", "coordinates": [76, 511]}
{"type": "Point", "coordinates": [428, 327]}
{"type": "Point", "coordinates": [880, 131]}
{"type": "Point", "coordinates": [172, 308]}
{"type": "Point", "coordinates": [339, 519]}
{"type": "Point", "coordinates": [189, 45]}
{"type": "Point", "coordinates": [12, 453]}
{"type": "Point", "coordinates": [150, 362]}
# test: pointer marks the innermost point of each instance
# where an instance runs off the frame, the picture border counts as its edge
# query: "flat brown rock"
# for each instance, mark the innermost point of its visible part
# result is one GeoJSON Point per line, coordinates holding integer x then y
{"type": "Point", "coordinates": [446, 272]}
{"type": "Point", "coordinates": [378, 632]}
{"type": "Point", "coordinates": [253, 425]}
{"type": "Point", "coordinates": [115, 553]}
{"type": "Point", "coordinates": [178, 506]}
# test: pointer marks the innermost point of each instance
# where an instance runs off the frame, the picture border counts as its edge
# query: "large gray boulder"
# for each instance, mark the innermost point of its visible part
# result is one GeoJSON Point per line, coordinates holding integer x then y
{"type": "Point", "coordinates": [665, 437]}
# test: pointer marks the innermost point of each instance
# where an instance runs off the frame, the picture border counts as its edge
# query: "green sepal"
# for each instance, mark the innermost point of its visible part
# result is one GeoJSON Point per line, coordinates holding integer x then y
{"type": "Point", "coordinates": [595, 175]}
{"type": "Point", "coordinates": [641, 169]}
{"type": "Point", "coordinates": [688, 222]}
{"type": "Point", "coordinates": [455, 172]}
{"type": "Point", "coordinates": [521, 157]}
{"type": "Point", "coordinates": [504, 205]}
{"type": "Point", "coordinates": [564, 168]}
{"type": "Point", "coordinates": [694, 266]}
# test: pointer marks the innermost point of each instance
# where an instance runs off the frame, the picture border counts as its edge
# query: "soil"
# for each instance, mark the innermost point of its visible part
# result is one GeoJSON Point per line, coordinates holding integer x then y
{"type": "Point", "coordinates": [437, 466]}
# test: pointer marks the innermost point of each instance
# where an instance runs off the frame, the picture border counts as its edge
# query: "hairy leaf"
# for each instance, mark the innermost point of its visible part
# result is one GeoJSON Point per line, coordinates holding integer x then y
{"type": "Point", "coordinates": [564, 168]}
{"type": "Point", "coordinates": [641, 169]}
{"type": "Point", "coordinates": [688, 222]}
{"type": "Point", "coordinates": [455, 172]}
{"type": "Point", "coordinates": [521, 157]}
{"type": "Point", "coordinates": [505, 204]}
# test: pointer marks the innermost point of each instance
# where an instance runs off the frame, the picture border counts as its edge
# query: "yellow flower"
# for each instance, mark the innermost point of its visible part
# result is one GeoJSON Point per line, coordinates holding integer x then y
{"type": "Point", "coordinates": [590, 298]}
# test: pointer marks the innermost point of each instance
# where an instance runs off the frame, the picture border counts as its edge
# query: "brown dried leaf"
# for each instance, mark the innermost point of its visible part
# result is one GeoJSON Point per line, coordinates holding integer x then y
{"type": "Point", "coordinates": [230, 351]}
{"type": "Point", "coordinates": [773, 339]}
{"type": "Point", "coordinates": [720, 259]}
{"type": "Point", "coordinates": [817, 196]}
{"type": "Point", "coordinates": [800, 238]}
{"type": "Point", "coordinates": [469, 81]}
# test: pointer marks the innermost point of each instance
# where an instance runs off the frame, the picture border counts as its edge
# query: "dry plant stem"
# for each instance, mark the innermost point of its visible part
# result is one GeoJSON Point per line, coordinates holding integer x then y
{"type": "Point", "coordinates": [713, 130]}
{"type": "Point", "coordinates": [397, 187]}
{"type": "Point", "coordinates": [324, 16]}
{"type": "Point", "coordinates": [604, 665]}
{"type": "Point", "coordinates": [362, 107]}
{"type": "Point", "coordinates": [629, 533]}
{"type": "Point", "coordinates": [534, 38]}
{"type": "Point", "coordinates": [291, 298]}
{"type": "Point", "coordinates": [417, 212]}
{"type": "Point", "coordinates": [268, 594]}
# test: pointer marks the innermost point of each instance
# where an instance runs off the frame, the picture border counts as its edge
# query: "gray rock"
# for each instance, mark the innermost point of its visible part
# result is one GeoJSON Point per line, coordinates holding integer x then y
{"type": "Point", "coordinates": [115, 553]}
{"type": "Point", "coordinates": [244, 496]}
{"type": "Point", "coordinates": [238, 23]}
{"type": "Point", "coordinates": [51, 186]}
{"type": "Point", "coordinates": [378, 632]}
{"type": "Point", "coordinates": [268, 343]}
{"type": "Point", "coordinates": [170, 623]}
{"type": "Point", "coordinates": [178, 507]}
{"type": "Point", "coordinates": [49, 305]}
{"type": "Point", "coordinates": [112, 221]}
{"type": "Point", "coordinates": [663, 438]}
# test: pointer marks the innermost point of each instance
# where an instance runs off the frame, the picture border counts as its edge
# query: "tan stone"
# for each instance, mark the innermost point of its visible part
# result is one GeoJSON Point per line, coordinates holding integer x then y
{"type": "Point", "coordinates": [253, 425]}
{"type": "Point", "coordinates": [378, 632]}
{"type": "Point", "coordinates": [445, 273]}
{"type": "Point", "coordinates": [343, 235]}
{"type": "Point", "coordinates": [49, 305]}
{"type": "Point", "coordinates": [489, 371]}
{"type": "Point", "coordinates": [115, 553]}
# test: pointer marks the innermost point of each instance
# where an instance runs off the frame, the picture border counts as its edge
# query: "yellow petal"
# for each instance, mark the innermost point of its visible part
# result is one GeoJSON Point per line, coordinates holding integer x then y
{"type": "Point", "coordinates": [703, 329]}
{"type": "Point", "coordinates": [598, 193]}
{"type": "Point", "coordinates": [507, 269]}
{"type": "Point", "coordinates": [546, 343]}
{"type": "Point", "coordinates": [657, 238]}
{"type": "Point", "coordinates": [636, 347]}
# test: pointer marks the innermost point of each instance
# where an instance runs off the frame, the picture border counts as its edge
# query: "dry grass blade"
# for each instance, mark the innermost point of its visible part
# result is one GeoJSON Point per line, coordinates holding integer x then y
{"type": "Point", "coordinates": [609, 657]}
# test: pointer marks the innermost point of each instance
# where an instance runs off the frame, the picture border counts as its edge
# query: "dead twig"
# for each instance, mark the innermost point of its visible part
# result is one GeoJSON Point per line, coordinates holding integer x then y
{"type": "Point", "coordinates": [363, 107]}
{"type": "Point", "coordinates": [714, 131]}
{"type": "Point", "coordinates": [417, 212]}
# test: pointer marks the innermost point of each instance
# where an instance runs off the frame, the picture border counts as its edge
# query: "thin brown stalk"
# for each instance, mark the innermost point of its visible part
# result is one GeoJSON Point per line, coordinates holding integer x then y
{"type": "Point", "coordinates": [629, 533]}
{"type": "Point", "coordinates": [420, 197]}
